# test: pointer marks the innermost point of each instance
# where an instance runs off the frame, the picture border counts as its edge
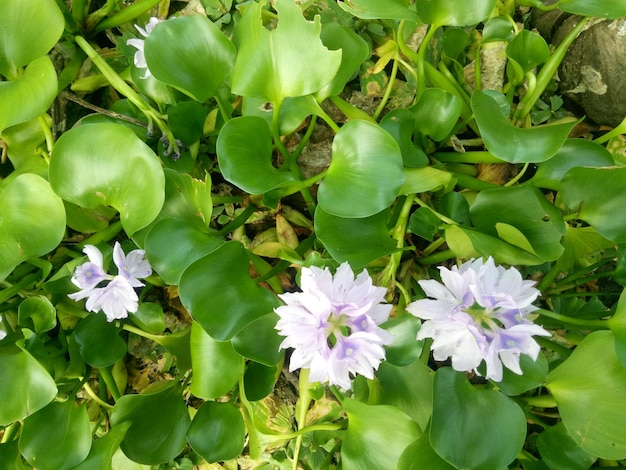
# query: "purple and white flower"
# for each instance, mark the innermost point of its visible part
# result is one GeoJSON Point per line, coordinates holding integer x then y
{"type": "Point", "coordinates": [140, 59]}
{"type": "Point", "coordinates": [332, 325]}
{"type": "Point", "coordinates": [114, 295]}
{"type": "Point", "coordinates": [479, 313]}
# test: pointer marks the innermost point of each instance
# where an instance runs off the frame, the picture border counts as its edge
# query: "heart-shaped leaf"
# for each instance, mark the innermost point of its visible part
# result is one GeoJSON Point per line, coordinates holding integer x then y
{"type": "Point", "coordinates": [400, 124]}
{"type": "Point", "coordinates": [473, 428]}
{"type": "Point", "coordinates": [39, 312]}
{"type": "Point", "coordinates": [191, 54]}
{"type": "Point", "coordinates": [30, 95]}
{"type": "Point", "coordinates": [32, 220]}
{"type": "Point", "coordinates": [217, 432]}
{"type": "Point", "coordinates": [103, 449]}
{"type": "Point", "coordinates": [269, 67]}
{"type": "Point", "coordinates": [30, 28]}
{"type": "Point", "coordinates": [599, 8]}
{"type": "Point", "coordinates": [593, 374]}
{"type": "Point", "coordinates": [597, 194]}
{"type": "Point", "coordinates": [99, 341]}
{"type": "Point", "coordinates": [260, 341]}
{"type": "Point", "coordinates": [436, 113]}
{"type": "Point", "coordinates": [106, 164]}
{"type": "Point", "coordinates": [528, 49]}
{"type": "Point", "coordinates": [558, 450]}
{"type": "Point", "coordinates": [220, 295]}
{"type": "Point", "coordinates": [365, 174]}
{"type": "Point", "coordinates": [513, 144]}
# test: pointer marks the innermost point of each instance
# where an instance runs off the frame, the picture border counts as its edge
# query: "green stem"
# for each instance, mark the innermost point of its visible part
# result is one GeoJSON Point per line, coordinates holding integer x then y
{"type": "Point", "coordinates": [548, 71]}
{"type": "Point", "coordinates": [305, 139]}
{"type": "Point", "coordinates": [467, 157]}
{"type": "Point", "coordinates": [305, 403]}
{"type": "Point", "coordinates": [388, 277]}
{"type": "Point", "coordinates": [10, 432]}
{"type": "Point", "coordinates": [237, 221]}
{"type": "Point", "coordinates": [103, 235]}
{"type": "Point", "coordinates": [433, 246]}
{"type": "Point", "coordinates": [517, 177]}
{"type": "Point", "coordinates": [109, 380]}
{"type": "Point", "coordinates": [541, 401]}
{"type": "Point", "coordinates": [47, 133]}
{"type": "Point", "coordinates": [390, 83]}
{"type": "Point", "coordinates": [421, 60]}
{"type": "Point", "coordinates": [591, 324]}
{"type": "Point", "coordinates": [15, 289]}
{"type": "Point", "coordinates": [619, 130]}
{"type": "Point", "coordinates": [441, 217]}
{"type": "Point", "coordinates": [437, 258]}
{"type": "Point", "coordinates": [96, 398]}
{"type": "Point", "coordinates": [127, 14]}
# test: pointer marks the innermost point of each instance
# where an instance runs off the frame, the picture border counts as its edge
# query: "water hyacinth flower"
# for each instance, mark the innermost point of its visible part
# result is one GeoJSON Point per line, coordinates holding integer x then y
{"type": "Point", "coordinates": [479, 313]}
{"type": "Point", "coordinates": [332, 325]}
{"type": "Point", "coordinates": [140, 59]}
{"type": "Point", "coordinates": [114, 295]}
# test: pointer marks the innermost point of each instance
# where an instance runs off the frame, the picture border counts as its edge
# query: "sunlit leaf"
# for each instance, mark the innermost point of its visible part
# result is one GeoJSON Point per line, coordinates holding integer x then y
{"type": "Point", "coordinates": [365, 174]}
{"type": "Point", "coordinates": [358, 241]}
{"type": "Point", "coordinates": [30, 28]}
{"type": "Point", "coordinates": [560, 451]}
{"type": "Point", "coordinates": [260, 341]}
{"type": "Point", "coordinates": [220, 295]}
{"type": "Point", "coordinates": [513, 144]}
{"type": "Point", "coordinates": [30, 95]}
{"type": "Point", "coordinates": [593, 376]}
{"type": "Point", "coordinates": [244, 151]}
{"type": "Point", "coordinates": [528, 49]}
{"type": "Point", "coordinates": [376, 436]}
{"type": "Point", "coordinates": [375, 9]}
{"type": "Point", "coordinates": [497, 29]}
{"type": "Point", "coordinates": [107, 164]}
{"type": "Point", "coordinates": [217, 432]}
{"type": "Point", "coordinates": [448, 13]}
{"type": "Point", "coordinates": [404, 349]}
{"type": "Point", "coordinates": [103, 449]}
{"type": "Point", "coordinates": [159, 420]}
{"type": "Point", "coordinates": [217, 366]}
{"type": "Point", "coordinates": [191, 54]}
{"type": "Point", "coordinates": [436, 113]}
{"type": "Point", "coordinates": [32, 220]}
{"type": "Point", "coordinates": [57, 437]}
{"type": "Point", "coordinates": [421, 180]}
{"type": "Point", "coordinates": [269, 67]}
{"type": "Point", "coordinates": [600, 8]}
{"type": "Point", "coordinates": [39, 312]}
{"type": "Point", "coordinates": [400, 124]}
{"type": "Point", "coordinates": [472, 427]}
{"type": "Point", "coordinates": [597, 195]}
{"type": "Point", "coordinates": [25, 386]}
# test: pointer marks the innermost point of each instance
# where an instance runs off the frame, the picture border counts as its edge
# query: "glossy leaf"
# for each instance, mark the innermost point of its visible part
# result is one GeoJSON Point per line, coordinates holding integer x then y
{"type": "Point", "coordinates": [191, 54]}
{"type": "Point", "coordinates": [421, 180]}
{"type": "Point", "coordinates": [573, 153]}
{"type": "Point", "coordinates": [365, 174]}
{"type": "Point", "coordinates": [420, 454]}
{"type": "Point", "coordinates": [25, 386]}
{"type": "Point", "coordinates": [474, 428]}
{"type": "Point", "coordinates": [149, 317]}
{"type": "Point", "coordinates": [521, 216]}
{"type": "Point", "coordinates": [217, 366]}
{"type": "Point", "coordinates": [376, 435]}
{"type": "Point", "coordinates": [22, 142]}
{"type": "Point", "coordinates": [159, 420]}
{"type": "Point", "coordinates": [374, 9]}
{"type": "Point", "coordinates": [593, 374]}
{"type": "Point", "coordinates": [259, 380]}
{"type": "Point", "coordinates": [30, 28]}
{"type": "Point", "coordinates": [103, 449]}
{"type": "Point", "coordinates": [26, 202]}
{"type": "Point", "coordinates": [244, 151]}
{"type": "Point", "coordinates": [57, 437]}
{"type": "Point", "coordinates": [559, 451]}
{"type": "Point", "coordinates": [533, 376]}
{"type": "Point", "coordinates": [107, 164]}
{"type": "Point", "coordinates": [448, 13]}
{"type": "Point", "coordinates": [597, 195]}
{"type": "Point", "coordinates": [513, 144]}
{"type": "Point", "coordinates": [400, 124]}
{"type": "Point", "coordinates": [99, 341]}
{"type": "Point", "coordinates": [188, 199]}
{"type": "Point", "coordinates": [39, 312]}
{"type": "Point", "coordinates": [358, 241]}
{"type": "Point", "coordinates": [404, 349]}
{"type": "Point", "coordinates": [599, 8]}
{"type": "Point", "coordinates": [528, 49]}
{"type": "Point", "coordinates": [497, 29]}
{"type": "Point", "coordinates": [617, 323]}
{"type": "Point", "coordinates": [186, 120]}
{"type": "Point", "coordinates": [260, 341]}
{"type": "Point", "coordinates": [172, 245]}
{"type": "Point", "coordinates": [269, 67]}
{"type": "Point", "coordinates": [220, 295]}
{"type": "Point", "coordinates": [30, 95]}
{"type": "Point", "coordinates": [217, 432]}
{"type": "Point", "coordinates": [436, 113]}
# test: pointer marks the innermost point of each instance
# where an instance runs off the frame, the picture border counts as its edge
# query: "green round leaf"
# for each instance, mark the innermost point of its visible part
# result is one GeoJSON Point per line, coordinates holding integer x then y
{"type": "Point", "coordinates": [376, 435]}
{"type": "Point", "coordinates": [191, 54]}
{"type": "Point", "coordinates": [30, 95]}
{"type": "Point", "coordinates": [186, 120]}
{"type": "Point", "coordinates": [365, 174]}
{"type": "Point", "coordinates": [528, 49]}
{"type": "Point", "coordinates": [39, 312]}
{"type": "Point", "coordinates": [57, 437]}
{"type": "Point", "coordinates": [404, 349]}
{"type": "Point", "coordinates": [25, 386]}
{"type": "Point", "coordinates": [172, 245]}
{"type": "Point", "coordinates": [30, 28]}
{"type": "Point", "coordinates": [559, 451]}
{"type": "Point", "coordinates": [420, 454]}
{"type": "Point", "coordinates": [448, 13]}
{"type": "Point", "coordinates": [99, 341]}
{"type": "Point", "coordinates": [259, 380]}
{"type": "Point", "coordinates": [159, 420]}
{"type": "Point", "coordinates": [107, 164]}
{"type": "Point", "coordinates": [600, 8]}
{"type": "Point", "coordinates": [533, 376]}
{"type": "Point", "coordinates": [436, 113]}
{"type": "Point", "coordinates": [497, 29]}
{"type": "Point", "coordinates": [149, 317]}
{"type": "Point", "coordinates": [244, 152]}
{"type": "Point", "coordinates": [103, 449]}
{"type": "Point", "coordinates": [269, 67]}
{"type": "Point", "coordinates": [597, 194]}
{"type": "Point", "coordinates": [217, 432]}
{"type": "Point", "coordinates": [400, 124]}
{"type": "Point", "coordinates": [474, 428]}
{"type": "Point", "coordinates": [592, 376]}
{"type": "Point", "coordinates": [358, 241]}
{"type": "Point", "coordinates": [375, 9]}
{"type": "Point", "coordinates": [513, 144]}
{"type": "Point", "coordinates": [216, 365]}
{"type": "Point", "coordinates": [26, 202]}
{"type": "Point", "coordinates": [260, 341]}
{"type": "Point", "coordinates": [220, 295]}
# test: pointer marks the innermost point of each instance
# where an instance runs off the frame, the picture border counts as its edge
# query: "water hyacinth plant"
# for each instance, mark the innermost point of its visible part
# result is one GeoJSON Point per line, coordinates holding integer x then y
{"type": "Point", "coordinates": [306, 234]}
